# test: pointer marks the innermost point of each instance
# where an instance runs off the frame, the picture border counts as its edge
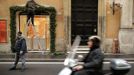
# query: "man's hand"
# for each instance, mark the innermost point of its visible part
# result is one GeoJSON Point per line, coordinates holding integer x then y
{"type": "Point", "coordinates": [78, 67]}
{"type": "Point", "coordinates": [21, 52]}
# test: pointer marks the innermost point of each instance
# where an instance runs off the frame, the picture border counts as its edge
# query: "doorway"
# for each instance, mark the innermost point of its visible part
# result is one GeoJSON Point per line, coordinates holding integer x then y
{"type": "Point", "coordinates": [84, 20]}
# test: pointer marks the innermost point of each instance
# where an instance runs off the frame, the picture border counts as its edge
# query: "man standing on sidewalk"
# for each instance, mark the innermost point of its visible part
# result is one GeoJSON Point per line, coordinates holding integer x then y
{"type": "Point", "coordinates": [21, 50]}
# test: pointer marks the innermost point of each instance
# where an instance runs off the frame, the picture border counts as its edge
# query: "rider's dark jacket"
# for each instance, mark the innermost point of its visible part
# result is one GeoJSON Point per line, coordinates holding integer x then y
{"type": "Point", "coordinates": [94, 60]}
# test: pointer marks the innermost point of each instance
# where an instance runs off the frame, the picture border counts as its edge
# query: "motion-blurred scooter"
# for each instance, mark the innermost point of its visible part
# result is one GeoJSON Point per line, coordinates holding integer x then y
{"type": "Point", "coordinates": [117, 66]}
{"type": "Point", "coordinates": [70, 60]}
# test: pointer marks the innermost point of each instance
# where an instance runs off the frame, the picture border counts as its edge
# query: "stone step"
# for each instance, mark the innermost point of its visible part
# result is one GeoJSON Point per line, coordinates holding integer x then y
{"type": "Point", "coordinates": [82, 49]}
{"type": "Point", "coordinates": [81, 52]}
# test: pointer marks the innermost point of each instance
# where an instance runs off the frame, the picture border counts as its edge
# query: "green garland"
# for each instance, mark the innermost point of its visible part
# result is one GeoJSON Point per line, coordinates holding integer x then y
{"type": "Point", "coordinates": [50, 10]}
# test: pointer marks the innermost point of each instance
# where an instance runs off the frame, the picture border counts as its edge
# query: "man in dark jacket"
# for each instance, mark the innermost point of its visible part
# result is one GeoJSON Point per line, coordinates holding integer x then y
{"type": "Point", "coordinates": [21, 50]}
{"type": "Point", "coordinates": [93, 62]}
{"type": "Point", "coordinates": [30, 8]}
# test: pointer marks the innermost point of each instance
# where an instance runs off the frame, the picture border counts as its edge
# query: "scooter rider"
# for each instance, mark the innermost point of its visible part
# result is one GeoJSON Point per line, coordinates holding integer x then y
{"type": "Point", "coordinates": [93, 62]}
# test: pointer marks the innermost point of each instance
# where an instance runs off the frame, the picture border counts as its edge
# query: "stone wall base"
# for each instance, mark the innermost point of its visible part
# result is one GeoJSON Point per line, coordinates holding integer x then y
{"type": "Point", "coordinates": [126, 41]}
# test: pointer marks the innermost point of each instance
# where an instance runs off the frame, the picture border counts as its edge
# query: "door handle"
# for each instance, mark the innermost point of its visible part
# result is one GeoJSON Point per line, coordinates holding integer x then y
{"type": "Point", "coordinates": [95, 30]}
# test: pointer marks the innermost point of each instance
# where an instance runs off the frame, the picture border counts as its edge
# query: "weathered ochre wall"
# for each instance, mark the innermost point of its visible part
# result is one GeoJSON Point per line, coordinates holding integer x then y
{"type": "Point", "coordinates": [58, 4]}
{"type": "Point", "coordinates": [111, 25]}
{"type": "Point", "coordinates": [112, 21]}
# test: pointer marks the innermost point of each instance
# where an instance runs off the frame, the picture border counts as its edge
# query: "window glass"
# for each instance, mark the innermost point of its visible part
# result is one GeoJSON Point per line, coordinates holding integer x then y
{"type": "Point", "coordinates": [3, 31]}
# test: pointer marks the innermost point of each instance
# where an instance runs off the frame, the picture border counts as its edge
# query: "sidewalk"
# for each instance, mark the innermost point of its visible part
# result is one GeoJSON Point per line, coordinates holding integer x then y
{"type": "Point", "coordinates": [39, 57]}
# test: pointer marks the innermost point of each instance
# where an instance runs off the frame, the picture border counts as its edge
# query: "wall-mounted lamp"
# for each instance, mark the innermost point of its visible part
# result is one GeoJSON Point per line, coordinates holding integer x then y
{"type": "Point", "coordinates": [113, 4]}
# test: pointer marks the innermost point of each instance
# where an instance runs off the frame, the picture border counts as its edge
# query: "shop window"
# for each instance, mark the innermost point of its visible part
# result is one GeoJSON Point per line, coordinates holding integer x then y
{"type": "Point", "coordinates": [3, 31]}
{"type": "Point", "coordinates": [39, 36]}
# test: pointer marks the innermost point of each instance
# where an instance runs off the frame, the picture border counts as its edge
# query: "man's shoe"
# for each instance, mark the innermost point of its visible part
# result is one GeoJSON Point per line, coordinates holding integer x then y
{"type": "Point", "coordinates": [12, 68]}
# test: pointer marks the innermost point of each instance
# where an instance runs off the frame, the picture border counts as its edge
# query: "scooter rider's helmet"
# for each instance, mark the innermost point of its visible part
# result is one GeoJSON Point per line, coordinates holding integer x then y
{"type": "Point", "coordinates": [96, 41]}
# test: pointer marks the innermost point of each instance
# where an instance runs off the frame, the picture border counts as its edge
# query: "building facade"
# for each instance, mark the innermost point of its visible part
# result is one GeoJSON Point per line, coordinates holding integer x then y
{"type": "Point", "coordinates": [112, 20]}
